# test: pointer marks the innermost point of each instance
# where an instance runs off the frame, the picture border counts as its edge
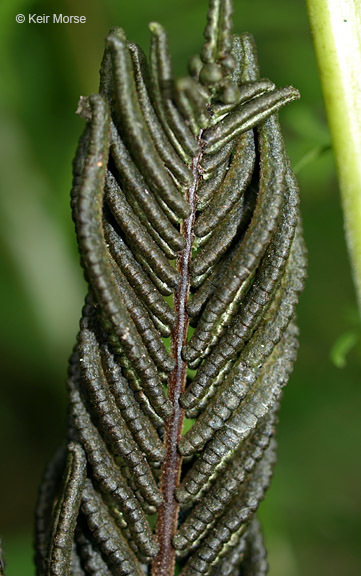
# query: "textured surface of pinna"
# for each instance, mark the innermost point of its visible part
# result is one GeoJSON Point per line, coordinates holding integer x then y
{"type": "Point", "coordinates": [186, 214]}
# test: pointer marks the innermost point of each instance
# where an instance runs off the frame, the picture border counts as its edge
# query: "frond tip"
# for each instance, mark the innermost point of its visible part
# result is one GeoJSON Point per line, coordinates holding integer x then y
{"type": "Point", "coordinates": [186, 213]}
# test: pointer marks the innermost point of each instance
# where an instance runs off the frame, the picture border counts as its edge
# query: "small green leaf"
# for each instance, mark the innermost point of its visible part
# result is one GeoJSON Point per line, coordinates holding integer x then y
{"type": "Point", "coordinates": [342, 347]}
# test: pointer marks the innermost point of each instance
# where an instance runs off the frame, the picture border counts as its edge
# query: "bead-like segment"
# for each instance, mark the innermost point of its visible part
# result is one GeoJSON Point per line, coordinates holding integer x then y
{"type": "Point", "coordinates": [234, 479]}
{"type": "Point", "coordinates": [224, 302]}
{"type": "Point", "coordinates": [210, 184]}
{"type": "Point", "coordinates": [105, 472]}
{"type": "Point", "coordinates": [247, 91]}
{"type": "Point", "coordinates": [230, 564]}
{"type": "Point", "coordinates": [248, 116]}
{"type": "Point", "coordinates": [103, 408]}
{"type": "Point", "coordinates": [255, 561]}
{"type": "Point", "coordinates": [165, 149]}
{"type": "Point", "coordinates": [257, 403]}
{"type": "Point", "coordinates": [233, 522]}
{"type": "Point", "coordinates": [135, 233]}
{"type": "Point", "coordinates": [66, 512]}
{"type": "Point", "coordinates": [143, 322]}
{"type": "Point", "coordinates": [237, 179]}
{"type": "Point", "coordinates": [219, 242]}
{"type": "Point", "coordinates": [136, 188]}
{"type": "Point", "coordinates": [94, 252]}
{"type": "Point", "coordinates": [162, 83]}
{"type": "Point", "coordinates": [192, 103]}
{"type": "Point", "coordinates": [46, 498]}
{"type": "Point", "coordinates": [259, 297]}
{"type": "Point", "coordinates": [135, 274]}
{"type": "Point", "coordinates": [217, 33]}
{"type": "Point", "coordinates": [138, 423]}
{"type": "Point", "coordinates": [115, 550]}
{"type": "Point", "coordinates": [131, 123]}
{"type": "Point", "coordinates": [90, 555]}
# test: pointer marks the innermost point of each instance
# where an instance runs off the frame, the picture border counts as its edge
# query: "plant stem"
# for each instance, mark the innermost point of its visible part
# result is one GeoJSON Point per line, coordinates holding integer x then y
{"type": "Point", "coordinates": [336, 27]}
{"type": "Point", "coordinates": [164, 562]}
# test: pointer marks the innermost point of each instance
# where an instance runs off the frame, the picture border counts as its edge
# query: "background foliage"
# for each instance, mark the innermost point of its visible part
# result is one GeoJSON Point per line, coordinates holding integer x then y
{"type": "Point", "coordinates": [312, 512]}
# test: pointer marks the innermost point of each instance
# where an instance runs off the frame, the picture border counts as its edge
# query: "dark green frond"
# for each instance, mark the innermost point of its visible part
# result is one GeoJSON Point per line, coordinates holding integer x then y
{"type": "Point", "coordinates": [233, 427]}
{"type": "Point", "coordinates": [186, 213]}
{"type": "Point", "coordinates": [255, 554]}
{"type": "Point", "coordinates": [233, 522]}
{"type": "Point", "coordinates": [66, 513]}
{"type": "Point", "coordinates": [248, 116]}
{"type": "Point", "coordinates": [257, 301]}
{"type": "Point", "coordinates": [234, 478]}
{"type": "Point", "coordinates": [116, 552]}
{"type": "Point", "coordinates": [178, 132]}
{"type": "Point", "coordinates": [237, 277]}
{"type": "Point", "coordinates": [44, 508]}
{"type": "Point", "coordinates": [237, 179]}
{"type": "Point", "coordinates": [89, 554]}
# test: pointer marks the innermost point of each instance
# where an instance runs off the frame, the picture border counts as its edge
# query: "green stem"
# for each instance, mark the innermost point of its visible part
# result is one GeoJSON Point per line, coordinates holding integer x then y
{"type": "Point", "coordinates": [336, 27]}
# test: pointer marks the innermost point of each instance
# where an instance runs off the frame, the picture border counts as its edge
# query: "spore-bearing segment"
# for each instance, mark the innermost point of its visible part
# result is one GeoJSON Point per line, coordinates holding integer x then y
{"type": "Point", "coordinates": [186, 214]}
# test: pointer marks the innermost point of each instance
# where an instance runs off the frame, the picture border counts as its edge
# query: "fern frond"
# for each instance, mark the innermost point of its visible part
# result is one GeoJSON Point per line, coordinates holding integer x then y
{"type": "Point", "coordinates": [233, 522]}
{"type": "Point", "coordinates": [237, 277]}
{"type": "Point", "coordinates": [231, 433]}
{"type": "Point", "coordinates": [87, 554]}
{"type": "Point", "coordinates": [66, 512]}
{"type": "Point", "coordinates": [236, 475]}
{"type": "Point", "coordinates": [186, 213]}
{"type": "Point", "coordinates": [255, 561]}
{"type": "Point", "coordinates": [46, 498]}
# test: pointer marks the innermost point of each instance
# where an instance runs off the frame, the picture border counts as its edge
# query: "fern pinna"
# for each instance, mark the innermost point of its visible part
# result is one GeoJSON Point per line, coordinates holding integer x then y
{"type": "Point", "coordinates": [186, 214]}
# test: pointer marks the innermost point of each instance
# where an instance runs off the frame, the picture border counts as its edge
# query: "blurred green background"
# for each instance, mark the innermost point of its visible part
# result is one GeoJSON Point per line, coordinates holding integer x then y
{"type": "Point", "coordinates": [312, 512]}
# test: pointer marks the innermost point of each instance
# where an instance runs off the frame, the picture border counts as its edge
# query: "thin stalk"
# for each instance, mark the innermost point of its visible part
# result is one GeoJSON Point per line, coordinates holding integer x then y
{"type": "Point", "coordinates": [336, 27]}
{"type": "Point", "coordinates": [164, 562]}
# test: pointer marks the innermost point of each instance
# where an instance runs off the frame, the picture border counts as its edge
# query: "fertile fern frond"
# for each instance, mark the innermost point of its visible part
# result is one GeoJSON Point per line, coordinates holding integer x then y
{"type": "Point", "coordinates": [186, 214]}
